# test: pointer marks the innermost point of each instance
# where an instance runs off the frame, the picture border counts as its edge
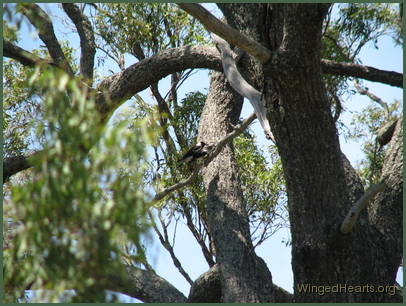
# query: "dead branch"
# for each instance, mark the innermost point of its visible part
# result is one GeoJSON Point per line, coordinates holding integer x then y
{"type": "Point", "coordinates": [240, 85]}
{"type": "Point", "coordinates": [358, 206]}
{"type": "Point", "coordinates": [223, 30]}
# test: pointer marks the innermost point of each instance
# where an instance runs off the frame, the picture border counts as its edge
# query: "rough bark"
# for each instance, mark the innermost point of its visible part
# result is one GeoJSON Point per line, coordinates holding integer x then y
{"type": "Point", "coordinates": [146, 286]}
{"type": "Point", "coordinates": [24, 57]}
{"type": "Point", "coordinates": [15, 164]}
{"type": "Point", "coordinates": [244, 276]}
{"type": "Point", "coordinates": [41, 21]}
{"type": "Point", "coordinates": [321, 184]}
{"type": "Point", "coordinates": [207, 289]}
{"type": "Point", "coordinates": [387, 210]}
{"type": "Point", "coordinates": [87, 43]}
{"type": "Point", "coordinates": [118, 88]}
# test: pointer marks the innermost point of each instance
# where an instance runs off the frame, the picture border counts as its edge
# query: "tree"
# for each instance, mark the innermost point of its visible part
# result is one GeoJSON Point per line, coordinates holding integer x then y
{"type": "Point", "coordinates": [290, 59]}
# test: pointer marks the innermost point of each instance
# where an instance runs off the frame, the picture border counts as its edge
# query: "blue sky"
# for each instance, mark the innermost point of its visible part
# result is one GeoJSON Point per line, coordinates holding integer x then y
{"type": "Point", "coordinates": [273, 251]}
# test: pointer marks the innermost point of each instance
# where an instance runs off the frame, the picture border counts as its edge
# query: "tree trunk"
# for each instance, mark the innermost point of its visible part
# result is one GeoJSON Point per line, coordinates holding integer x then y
{"type": "Point", "coordinates": [245, 277]}
{"type": "Point", "coordinates": [321, 184]}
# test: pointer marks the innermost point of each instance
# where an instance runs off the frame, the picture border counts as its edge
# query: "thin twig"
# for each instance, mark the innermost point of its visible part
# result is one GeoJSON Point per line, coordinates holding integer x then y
{"type": "Point", "coordinates": [220, 145]}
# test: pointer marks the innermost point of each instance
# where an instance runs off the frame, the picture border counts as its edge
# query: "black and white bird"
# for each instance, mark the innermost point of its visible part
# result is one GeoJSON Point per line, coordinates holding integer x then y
{"type": "Point", "coordinates": [198, 151]}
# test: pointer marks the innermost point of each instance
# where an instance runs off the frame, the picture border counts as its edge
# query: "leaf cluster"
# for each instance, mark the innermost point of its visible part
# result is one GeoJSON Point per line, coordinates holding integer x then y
{"type": "Point", "coordinates": [85, 199]}
{"type": "Point", "coordinates": [364, 127]}
{"type": "Point", "coordinates": [143, 29]}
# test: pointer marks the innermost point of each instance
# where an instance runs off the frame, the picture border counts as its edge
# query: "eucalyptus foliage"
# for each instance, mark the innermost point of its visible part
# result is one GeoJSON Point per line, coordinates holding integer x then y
{"type": "Point", "coordinates": [85, 201]}
{"type": "Point", "coordinates": [147, 28]}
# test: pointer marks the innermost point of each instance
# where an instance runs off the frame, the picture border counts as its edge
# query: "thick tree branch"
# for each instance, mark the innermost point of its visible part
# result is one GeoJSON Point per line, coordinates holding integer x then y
{"type": "Point", "coordinates": [146, 286]}
{"type": "Point", "coordinates": [241, 86]}
{"type": "Point", "coordinates": [165, 243]}
{"type": "Point", "coordinates": [122, 86]}
{"type": "Point", "coordinates": [24, 57]}
{"type": "Point", "coordinates": [207, 289]}
{"type": "Point", "coordinates": [364, 72]}
{"type": "Point", "coordinates": [385, 133]}
{"type": "Point", "coordinates": [87, 44]}
{"type": "Point", "coordinates": [43, 24]}
{"type": "Point", "coordinates": [223, 30]}
{"type": "Point", "coordinates": [219, 146]}
{"type": "Point", "coordinates": [15, 164]}
{"type": "Point", "coordinates": [355, 210]}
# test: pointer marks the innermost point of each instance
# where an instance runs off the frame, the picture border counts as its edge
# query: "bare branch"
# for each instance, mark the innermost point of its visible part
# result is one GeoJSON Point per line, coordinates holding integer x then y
{"type": "Point", "coordinates": [223, 30]}
{"type": "Point", "coordinates": [165, 243]}
{"type": "Point", "coordinates": [43, 24]}
{"type": "Point", "coordinates": [366, 92]}
{"type": "Point", "coordinates": [200, 240]}
{"type": "Point", "coordinates": [24, 57]}
{"type": "Point", "coordinates": [241, 86]}
{"type": "Point", "coordinates": [364, 72]}
{"type": "Point", "coordinates": [220, 145]}
{"type": "Point", "coordinates": [355, 210]}
{"type": "Point", "coordinates": [87, 44]}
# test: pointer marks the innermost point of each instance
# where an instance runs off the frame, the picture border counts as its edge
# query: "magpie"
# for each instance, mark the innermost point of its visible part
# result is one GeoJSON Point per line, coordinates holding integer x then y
{"type": "Point", "coordinates": [199, 150]}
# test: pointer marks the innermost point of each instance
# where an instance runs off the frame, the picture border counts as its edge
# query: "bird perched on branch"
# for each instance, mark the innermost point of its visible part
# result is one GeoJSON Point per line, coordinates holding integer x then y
{"type": "Point", "coordinates": [198, 151]}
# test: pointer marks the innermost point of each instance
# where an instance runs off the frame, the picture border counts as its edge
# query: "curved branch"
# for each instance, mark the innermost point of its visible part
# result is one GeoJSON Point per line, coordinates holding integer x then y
{"type": "Point", "coordinates": [146, 286]}
{"type": "Point", "coordinates": [24, 57]}
{"type": "Point", "coordinates": [86, 34]}
{"type": "Point", "coordinates": [123, 85]}
{"type": "Point", "coordinates": [364, 72]}
{"type": "Point", "coordinates": [355, 210]}
{"type": "Point", "coordinates": [43, 24]}
{"type": "Point", "coordinates": [385, 133]}
{"type": "Point", "coordinates": [207, 287]}
{"type": "Point", "coordinates": [223, 30]}
{"type": "Point", "coordinates": [366, 92]}
{"type": "Point", "coordinates": [14, 164]}
{"type": "Point", "coordinates": [241, 86]}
